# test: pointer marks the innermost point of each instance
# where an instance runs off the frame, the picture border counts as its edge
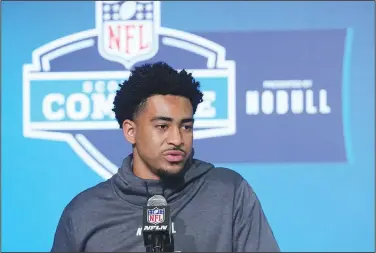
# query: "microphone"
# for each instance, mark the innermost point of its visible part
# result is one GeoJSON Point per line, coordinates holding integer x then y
{"type": "Point", "coordinates": [156, 227]}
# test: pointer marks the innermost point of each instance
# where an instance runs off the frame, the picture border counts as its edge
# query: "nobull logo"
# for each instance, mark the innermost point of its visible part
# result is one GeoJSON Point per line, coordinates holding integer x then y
{"type": "Point", "coordinates": [269, 97]}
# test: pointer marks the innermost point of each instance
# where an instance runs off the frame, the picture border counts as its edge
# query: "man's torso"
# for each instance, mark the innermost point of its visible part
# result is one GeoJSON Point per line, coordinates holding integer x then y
{"type": "Point", "coordinates": [197, 225]}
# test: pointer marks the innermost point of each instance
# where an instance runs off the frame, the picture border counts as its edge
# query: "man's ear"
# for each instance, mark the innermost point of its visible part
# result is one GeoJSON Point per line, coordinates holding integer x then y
{"type": "Point", "coordinates": [129, 131]}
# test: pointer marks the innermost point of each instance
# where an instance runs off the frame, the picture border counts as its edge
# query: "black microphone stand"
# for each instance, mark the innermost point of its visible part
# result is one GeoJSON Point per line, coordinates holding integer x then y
{"type": "Point", "coordinates": [158, 243]}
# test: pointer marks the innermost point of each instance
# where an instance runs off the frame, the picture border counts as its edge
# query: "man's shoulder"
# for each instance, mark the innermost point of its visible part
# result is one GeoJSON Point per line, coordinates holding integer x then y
{"type": "Point", "coordinates": [223, 174]}
{"type": "Point", "coordinates": [90, 198]}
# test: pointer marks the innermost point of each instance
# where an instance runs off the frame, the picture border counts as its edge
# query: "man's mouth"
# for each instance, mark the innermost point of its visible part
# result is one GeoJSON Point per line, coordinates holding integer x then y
{"type": "Point", "coordinates": [174, 156]}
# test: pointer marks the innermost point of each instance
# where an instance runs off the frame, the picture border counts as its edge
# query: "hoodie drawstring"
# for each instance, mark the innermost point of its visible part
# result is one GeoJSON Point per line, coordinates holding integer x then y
{"type": "Point", "coordinates": [163, 191]}
{"type": "Point", "coordinates": [148, 192]}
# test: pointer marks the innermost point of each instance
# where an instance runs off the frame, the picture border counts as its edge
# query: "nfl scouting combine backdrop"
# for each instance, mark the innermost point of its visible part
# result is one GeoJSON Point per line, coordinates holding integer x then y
{"type": "Point", "coordinates": [287, 103]}
{"type": "Point", "coordinates": [265, 89]}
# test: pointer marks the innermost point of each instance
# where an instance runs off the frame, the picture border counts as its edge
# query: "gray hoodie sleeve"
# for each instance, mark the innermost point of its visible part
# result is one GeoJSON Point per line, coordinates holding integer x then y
{"type": "Point", "coordinates": [251, 230]}
{"type": "Point", "coordinates": [64, 240]}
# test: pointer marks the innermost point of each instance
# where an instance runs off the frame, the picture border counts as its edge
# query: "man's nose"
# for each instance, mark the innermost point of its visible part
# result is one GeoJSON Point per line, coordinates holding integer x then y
{"type": "Point", "coordinates": [174, 136]}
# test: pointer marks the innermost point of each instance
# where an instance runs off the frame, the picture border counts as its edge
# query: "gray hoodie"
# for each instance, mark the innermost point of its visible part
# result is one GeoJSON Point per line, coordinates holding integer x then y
{"type": "Point", "coordinates": [212, 209]}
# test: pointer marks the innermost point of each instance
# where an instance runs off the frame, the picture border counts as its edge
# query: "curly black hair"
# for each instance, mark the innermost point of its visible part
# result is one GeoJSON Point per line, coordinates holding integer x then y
{"type": "Point", "coordinates": [153, 79]}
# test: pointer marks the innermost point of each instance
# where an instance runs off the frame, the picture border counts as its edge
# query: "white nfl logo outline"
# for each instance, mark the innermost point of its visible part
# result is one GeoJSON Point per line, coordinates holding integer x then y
{"type": "Point", "coordinates": [116, 17]}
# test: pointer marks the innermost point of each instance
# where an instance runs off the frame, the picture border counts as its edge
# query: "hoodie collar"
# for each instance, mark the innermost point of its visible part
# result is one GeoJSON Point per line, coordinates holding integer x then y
{"type": "Point", "coordinates": [137, 191]}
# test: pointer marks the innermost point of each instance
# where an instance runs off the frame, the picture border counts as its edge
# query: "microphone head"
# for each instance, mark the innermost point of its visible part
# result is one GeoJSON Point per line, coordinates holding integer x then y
{"type": "Point", "coordinates": [157, 200]}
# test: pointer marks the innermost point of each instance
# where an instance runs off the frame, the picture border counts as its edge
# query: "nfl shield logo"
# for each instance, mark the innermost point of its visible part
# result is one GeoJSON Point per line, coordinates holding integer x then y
{"type": "Point", "coordinates": [156, 215]}
{"type": "Point", "coordinates": [127, 30]}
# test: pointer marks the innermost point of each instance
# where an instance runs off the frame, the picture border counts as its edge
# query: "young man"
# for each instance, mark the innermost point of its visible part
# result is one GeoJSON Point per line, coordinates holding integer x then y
{"type": "Point", "coordinates": [212, 209]}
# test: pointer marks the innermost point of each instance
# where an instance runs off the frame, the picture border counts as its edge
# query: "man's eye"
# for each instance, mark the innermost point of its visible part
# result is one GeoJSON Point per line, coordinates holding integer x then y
{"type": "Point", "coordinates": [162, 127]}
{"type": "Point", "coordinates": [188, 127]}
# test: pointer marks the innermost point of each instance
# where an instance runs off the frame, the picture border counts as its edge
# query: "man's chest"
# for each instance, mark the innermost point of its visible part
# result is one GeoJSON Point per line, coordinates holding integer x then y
{"type": "Point", "coordinates": [197, 230]}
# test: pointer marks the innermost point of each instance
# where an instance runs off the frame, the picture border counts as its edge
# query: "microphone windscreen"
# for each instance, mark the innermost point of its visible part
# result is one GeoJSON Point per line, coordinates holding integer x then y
{"type": "Point", "coordinates": [157, 200]}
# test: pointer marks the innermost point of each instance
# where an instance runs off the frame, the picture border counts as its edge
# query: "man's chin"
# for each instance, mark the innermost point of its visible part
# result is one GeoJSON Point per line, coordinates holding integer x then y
{"type": "Point", "coordinates": [171, 170]}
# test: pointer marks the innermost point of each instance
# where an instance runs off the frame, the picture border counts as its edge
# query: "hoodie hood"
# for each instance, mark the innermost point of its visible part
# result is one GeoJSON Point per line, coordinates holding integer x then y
{"type": "Point", "coordinates": [137, 191]}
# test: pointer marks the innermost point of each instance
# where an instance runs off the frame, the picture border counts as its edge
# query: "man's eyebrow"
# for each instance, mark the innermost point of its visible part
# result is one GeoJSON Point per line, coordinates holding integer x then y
{"type": "Point", "coordinates": [162, 118]}
{"type": "Point", "coordinates": [187, 120]}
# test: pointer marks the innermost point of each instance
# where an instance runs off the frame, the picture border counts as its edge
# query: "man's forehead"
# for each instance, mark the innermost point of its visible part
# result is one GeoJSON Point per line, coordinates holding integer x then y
{"type": "Point", "coordinates": [167, 106]}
